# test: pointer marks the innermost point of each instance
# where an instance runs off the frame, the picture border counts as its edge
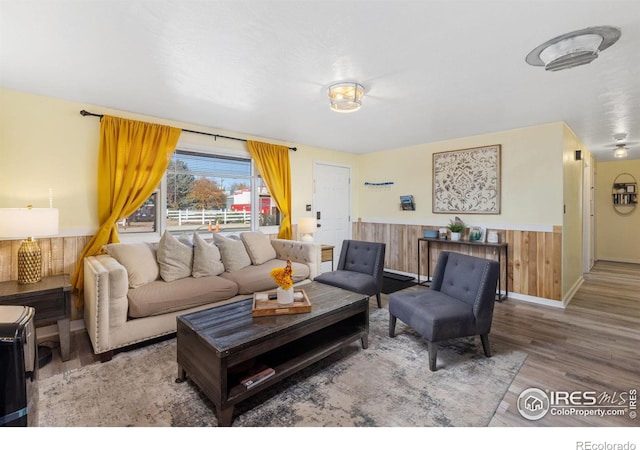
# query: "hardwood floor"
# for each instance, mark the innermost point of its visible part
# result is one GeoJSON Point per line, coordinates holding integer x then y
{"type": "Point", "coordinates": [592, 345]}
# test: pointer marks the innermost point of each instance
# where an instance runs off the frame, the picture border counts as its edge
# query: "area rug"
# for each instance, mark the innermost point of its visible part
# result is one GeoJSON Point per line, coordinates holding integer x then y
{"type": "Point", "coordinates": [387, 385]}
{"type": "Point", "coordinates": [393, 282]}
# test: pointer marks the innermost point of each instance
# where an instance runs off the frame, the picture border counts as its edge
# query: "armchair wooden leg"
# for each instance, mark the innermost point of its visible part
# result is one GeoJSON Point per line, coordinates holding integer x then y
{"type": "Point", "coordinates": [485, 345]}
{"type": "Point", "coordinates": [433, 354]}
{"type": "Point", "coordinates": [392, 326]}
{"type": "Point", "coordinates": [378, 297]}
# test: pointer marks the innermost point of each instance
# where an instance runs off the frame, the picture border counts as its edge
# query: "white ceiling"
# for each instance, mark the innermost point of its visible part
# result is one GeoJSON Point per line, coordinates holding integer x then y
{"type": "Point", "coordinates": [432, 70]}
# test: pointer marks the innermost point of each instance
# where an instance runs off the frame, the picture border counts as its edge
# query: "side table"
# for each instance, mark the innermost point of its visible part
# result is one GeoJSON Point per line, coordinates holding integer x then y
{"type": "Point", "coordinates": [326, 253]}
{"type": "Point", "coordinates": [51, 297]}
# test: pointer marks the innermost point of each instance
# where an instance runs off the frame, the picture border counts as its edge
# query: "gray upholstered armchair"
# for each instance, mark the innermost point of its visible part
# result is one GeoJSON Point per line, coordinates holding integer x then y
{"type": "Point", "coordinates": [360, 268]}
{"type": "Point", "coordinates": [459, 302]}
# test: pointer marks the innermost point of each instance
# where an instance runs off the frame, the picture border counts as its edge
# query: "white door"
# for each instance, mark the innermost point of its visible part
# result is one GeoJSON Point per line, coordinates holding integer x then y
{"type": "Point", "coordinates": [332, 206]}
{"type": "Point", "coordinates": [588, 215]}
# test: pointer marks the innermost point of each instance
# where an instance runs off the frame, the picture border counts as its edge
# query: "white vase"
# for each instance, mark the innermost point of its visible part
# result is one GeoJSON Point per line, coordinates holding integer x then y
{"type": "Point", "coordinates": [284, 296]}
{"type": "Point", "coordinates": [455, 236]}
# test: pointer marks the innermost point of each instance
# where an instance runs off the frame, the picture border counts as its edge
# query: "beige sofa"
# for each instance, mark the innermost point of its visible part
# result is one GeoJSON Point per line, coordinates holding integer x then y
{"type": "Point", "coordinates": [134, 292]}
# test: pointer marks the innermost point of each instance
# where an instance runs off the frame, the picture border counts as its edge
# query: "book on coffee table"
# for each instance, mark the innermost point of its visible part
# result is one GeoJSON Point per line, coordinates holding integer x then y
{"type": "Point", "coordinates": [258, 378]}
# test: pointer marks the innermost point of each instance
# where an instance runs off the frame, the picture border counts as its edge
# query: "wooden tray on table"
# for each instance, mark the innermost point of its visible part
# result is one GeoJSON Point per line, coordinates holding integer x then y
{"type": "Point", "coordinates": [264, 307]}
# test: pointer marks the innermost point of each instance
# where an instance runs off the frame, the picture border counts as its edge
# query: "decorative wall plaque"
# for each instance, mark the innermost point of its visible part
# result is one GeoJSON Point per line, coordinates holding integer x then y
{"type": "Point", "coordinates": [467, 181]}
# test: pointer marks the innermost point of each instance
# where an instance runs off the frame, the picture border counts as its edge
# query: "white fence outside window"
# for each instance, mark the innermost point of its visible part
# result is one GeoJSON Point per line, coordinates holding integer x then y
{"type": "Point", "coordinates": [206, 216]}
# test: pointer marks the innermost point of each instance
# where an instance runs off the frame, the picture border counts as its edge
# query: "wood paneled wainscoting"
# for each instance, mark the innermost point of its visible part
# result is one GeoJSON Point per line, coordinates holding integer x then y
{"type": "Point", "coordinates": [535, 257]}
{"type": "Point", "coordinates": [59, 256]}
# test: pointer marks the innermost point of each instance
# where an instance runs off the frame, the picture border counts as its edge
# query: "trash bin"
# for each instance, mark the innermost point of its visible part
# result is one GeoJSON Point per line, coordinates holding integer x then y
{"type": "Point", "coordinates": [18, 367]}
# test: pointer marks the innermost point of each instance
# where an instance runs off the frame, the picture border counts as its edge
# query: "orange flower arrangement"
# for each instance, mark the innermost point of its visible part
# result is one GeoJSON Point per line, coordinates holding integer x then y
{"type": "Point", "coordinates": [283, 275]}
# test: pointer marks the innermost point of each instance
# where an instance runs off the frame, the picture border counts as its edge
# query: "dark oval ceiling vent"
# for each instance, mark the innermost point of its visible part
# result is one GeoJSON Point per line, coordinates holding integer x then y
{"type": "Point", "coordinates": [573, 49]}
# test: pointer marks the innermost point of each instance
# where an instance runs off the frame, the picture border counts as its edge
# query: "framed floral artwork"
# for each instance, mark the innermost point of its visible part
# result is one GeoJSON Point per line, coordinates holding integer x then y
{"type": "Point", "coordinates": [467, 181]}
{"type": "Point", "coordinates": [477, 234]}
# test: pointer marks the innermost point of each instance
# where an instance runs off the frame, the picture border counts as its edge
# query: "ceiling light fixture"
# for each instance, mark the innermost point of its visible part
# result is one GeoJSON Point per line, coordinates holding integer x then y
{"type": "Point", "coordinates": [345, 97]}
{"type": "Point", "coordinates": [620, 151]}
{"type": "Point", "coordinates": [573, 49]}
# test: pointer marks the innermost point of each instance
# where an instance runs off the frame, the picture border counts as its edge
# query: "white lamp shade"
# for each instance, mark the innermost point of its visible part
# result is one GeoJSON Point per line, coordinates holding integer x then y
{"type": "Point", "coordinates": [22, 223]}
{"type": "Point", "coordinates": [307, 225]}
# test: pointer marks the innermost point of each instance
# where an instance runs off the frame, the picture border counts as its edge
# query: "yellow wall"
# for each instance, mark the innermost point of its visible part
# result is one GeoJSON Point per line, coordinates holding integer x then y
{"type": "Point", "coordinates": [617, 235]}
{"type": "Point", "coordinates": [46, 144]}
{"type": "Point", "coordinates": [531, 189]}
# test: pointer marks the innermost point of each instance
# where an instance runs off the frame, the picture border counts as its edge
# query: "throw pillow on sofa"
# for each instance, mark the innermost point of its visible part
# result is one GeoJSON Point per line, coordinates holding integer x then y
{"type": "Point", "coordinates": [174, 258]}
{"type": "Point", "coordinates": [139, 259]}
{"type": "Point", "coordinates": [186, 239]}
{"type": "Point", "coordinates": [206, 258]}
{"type": "Point", "coordinates": [233, 252]}
{"type": "Point", "coordinates": [258, 247]}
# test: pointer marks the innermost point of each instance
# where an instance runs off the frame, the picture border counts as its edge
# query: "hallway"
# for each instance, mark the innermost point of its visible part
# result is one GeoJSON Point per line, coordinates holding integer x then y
{"type": "Point", "coordinates": [592, 345]}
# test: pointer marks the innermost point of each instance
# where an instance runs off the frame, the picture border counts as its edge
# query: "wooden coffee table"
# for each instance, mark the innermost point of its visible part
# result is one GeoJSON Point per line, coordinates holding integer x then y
{"type": "Point", "coordinates": [220, 346]}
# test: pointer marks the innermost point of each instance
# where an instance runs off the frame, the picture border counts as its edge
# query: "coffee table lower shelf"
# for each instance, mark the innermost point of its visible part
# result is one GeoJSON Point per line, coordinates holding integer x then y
{"type": "Point", "coordinates": [217, 371]}
{"type": "Point", "coordinates": [296, 360]}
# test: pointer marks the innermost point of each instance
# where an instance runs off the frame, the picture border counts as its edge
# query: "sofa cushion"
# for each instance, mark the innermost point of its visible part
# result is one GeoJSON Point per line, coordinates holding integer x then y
{"type": "Point", "coordinates": [174, 258]}
{"type": "Point", "coordinates": [159, 297]}
{"type": "Point", "coordinates": [252, 279]}
{"type": "Point", "coordinates": [258, 247]}
{"type": "Point", "coordinates": [233, 253]}
{"type": "Point", "coordinates": [206, 258]}
{"type": "Point", "coordinates": [139, 259]}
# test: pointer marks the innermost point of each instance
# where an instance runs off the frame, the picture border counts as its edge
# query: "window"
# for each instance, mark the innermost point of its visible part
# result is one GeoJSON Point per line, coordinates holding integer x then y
{"type": "Point", "coordinates": [144, 220]}
{"type": "Point", "coordinates": [210, 192]}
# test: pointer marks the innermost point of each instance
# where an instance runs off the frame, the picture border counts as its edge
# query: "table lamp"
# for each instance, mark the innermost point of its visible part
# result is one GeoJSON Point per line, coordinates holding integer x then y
{"type": "Point", "coordinates": [307, 226]}
{"type": "Point", "coordinates": [28, 222]}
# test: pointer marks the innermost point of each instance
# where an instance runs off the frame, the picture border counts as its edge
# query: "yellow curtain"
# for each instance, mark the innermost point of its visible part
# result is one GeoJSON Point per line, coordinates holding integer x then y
{"type": "Point", "coordinates": [273, 164]}
{"type": "Point", "coordinates": [133, 158]}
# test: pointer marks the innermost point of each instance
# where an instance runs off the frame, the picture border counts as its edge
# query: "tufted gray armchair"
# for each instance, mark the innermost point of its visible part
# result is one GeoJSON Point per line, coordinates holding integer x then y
{"type": "Point", "coordinates": [459, 302]}
{"type": "Point", "coordinates": [360, 268]}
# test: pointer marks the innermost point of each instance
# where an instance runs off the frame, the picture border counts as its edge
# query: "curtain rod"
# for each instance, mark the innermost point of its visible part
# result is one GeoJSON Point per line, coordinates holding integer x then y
{"type": "Point", "coordinates": [215, 136]}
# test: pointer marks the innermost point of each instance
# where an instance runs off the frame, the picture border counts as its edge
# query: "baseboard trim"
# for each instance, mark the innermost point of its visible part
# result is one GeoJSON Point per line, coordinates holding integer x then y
{"type": "Point", "coordinates": [536, 300]}
{"type": "Point", "coordinates": [567, 298]}
{"type": "Point", "coordinates": [620, 260]}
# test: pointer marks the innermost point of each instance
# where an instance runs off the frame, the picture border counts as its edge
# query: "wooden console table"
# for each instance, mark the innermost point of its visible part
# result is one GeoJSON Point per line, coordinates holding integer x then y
{"type": "Point", "coordinates": [502, 246]}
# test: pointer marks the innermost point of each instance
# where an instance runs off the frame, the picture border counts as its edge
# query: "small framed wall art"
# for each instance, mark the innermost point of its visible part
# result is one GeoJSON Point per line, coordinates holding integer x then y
{"type": "Point", "coordinates": [477, 234]}
{"type": "Point", "coordinates": [407, 203]}
{"type": "Point", "coordinates": [467, 181]}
